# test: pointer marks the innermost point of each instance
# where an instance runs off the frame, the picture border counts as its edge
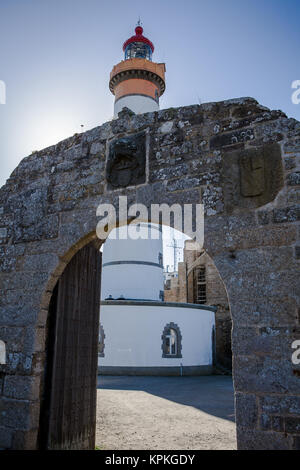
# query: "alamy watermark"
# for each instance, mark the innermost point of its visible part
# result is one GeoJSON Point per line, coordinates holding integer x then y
{"type": "Point", "coordinates": [186, 218]}
{"type": "Point", "coordinates": [296, 94]}
{"type": "Point", "coordinates": [2, 92]}
{"type": "Point", "coordinates": [296, 354]}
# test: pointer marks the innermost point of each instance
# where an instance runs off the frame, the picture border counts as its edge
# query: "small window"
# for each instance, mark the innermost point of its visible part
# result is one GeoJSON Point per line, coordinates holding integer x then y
{"type": "Point", "coordinates": [171, 341]}
{"type": "Point", "coordinates": [200, 285]}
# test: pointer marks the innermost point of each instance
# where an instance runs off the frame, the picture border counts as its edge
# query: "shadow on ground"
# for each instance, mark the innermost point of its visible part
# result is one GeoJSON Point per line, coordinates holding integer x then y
{"type": "Point", "coordinates": [210, 394]}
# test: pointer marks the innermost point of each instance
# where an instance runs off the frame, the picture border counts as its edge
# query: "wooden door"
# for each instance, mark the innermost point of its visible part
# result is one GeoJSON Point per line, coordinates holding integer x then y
{"type": "Point", "coordinates": [68, 414]}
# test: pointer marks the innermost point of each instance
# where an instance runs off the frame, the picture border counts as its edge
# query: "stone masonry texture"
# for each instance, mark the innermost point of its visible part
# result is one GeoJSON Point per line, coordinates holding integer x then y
{"type": "Point", "coordinates": [237, 157]}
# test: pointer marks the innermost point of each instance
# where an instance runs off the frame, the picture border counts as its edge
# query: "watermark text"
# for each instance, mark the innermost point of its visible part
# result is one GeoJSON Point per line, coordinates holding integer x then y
{"type": "Point", "coordinates": [185, 218]}
{"type": "Point", "coordinates": [296, 94]}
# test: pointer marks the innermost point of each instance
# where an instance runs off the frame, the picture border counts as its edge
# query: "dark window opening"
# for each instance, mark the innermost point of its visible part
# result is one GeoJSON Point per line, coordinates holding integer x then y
{"type": "Point", "coordinates": [200, 285]}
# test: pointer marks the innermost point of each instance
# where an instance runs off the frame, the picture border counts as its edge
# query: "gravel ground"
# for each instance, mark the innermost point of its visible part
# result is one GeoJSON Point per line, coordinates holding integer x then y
{"type": "Point", "coordinates": [165, 413]}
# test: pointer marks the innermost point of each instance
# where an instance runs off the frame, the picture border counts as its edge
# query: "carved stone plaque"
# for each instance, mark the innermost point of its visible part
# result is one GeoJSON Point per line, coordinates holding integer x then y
{"type": "Point", "coordinates": [252, 173]}
{"type": "Point", "coordinates": [252, 177]}
{"type": "Point", "coordinates": [126, 163]}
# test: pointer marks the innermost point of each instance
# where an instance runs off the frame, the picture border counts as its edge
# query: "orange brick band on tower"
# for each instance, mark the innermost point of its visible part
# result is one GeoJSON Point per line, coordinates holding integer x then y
{"type": "Point", "coordinates": [137, 82]}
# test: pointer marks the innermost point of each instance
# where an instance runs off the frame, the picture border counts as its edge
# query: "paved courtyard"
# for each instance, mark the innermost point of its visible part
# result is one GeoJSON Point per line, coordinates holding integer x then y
{"type": "Point", "coordinates": [165, 413]}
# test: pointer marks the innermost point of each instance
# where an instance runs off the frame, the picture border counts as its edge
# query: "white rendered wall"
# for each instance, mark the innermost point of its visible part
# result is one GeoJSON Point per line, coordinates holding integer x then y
{"type": "Point", "coordinates": [137, 103]}
{"type": "Point", "coordinates": [133, 335]}
{"type": "Point", "coordinates": [130, 268]}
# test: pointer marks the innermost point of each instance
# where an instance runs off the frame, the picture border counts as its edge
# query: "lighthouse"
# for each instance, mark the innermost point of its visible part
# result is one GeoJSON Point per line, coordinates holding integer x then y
{"type": "Point", "coordinates": [140, 333]}
{"type": "Point", "coordinates": [136, 81]}
{"type": "Point", "coordinates": [133, 269]}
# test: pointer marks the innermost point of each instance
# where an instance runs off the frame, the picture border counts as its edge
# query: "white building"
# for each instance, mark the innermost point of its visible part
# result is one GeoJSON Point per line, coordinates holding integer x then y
{"type": "Point", "coordinates": [139, 333]}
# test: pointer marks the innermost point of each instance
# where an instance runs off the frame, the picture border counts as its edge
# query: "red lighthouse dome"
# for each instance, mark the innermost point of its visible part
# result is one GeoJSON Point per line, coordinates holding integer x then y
{"type": "Point", "coordinates": [138, 37]}
{"type": "Point", "coordinates": [138, 46]}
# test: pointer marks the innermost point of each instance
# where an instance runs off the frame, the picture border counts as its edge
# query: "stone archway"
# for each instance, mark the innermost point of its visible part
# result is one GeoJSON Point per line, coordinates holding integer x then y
{"type": "Point", "coordinates": [239, 159]}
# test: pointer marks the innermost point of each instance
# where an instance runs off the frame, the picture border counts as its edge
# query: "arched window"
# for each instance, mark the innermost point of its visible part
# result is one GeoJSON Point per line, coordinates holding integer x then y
{"type": "Point", "coordinates": [101, 344]}
{"type": "Point", "coordinates": [171, 341]}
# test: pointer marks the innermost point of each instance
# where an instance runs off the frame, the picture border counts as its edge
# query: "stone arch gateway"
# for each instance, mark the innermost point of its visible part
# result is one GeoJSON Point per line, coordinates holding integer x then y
{"type": "Point", "coordinates": [240, 160]}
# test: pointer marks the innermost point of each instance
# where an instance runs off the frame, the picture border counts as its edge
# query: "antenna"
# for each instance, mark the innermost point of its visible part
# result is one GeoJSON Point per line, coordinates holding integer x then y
{"type": "Point", "coordinates": [175, 247]}
{"type": "Point", "coordinates": [139, 23]}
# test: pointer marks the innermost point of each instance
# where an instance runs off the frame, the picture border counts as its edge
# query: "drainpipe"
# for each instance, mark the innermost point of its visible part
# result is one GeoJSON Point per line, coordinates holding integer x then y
{"type": "Point", "coordinates": [214, 348]}
{"type": "Point", "coordinates": [181, 369]}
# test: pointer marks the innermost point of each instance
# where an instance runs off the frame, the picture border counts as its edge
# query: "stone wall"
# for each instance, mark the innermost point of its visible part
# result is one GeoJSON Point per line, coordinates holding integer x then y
{"type": "Point", "coordinates": [177, 290]}
{"type": "Point", "coordinates": [237, 157]}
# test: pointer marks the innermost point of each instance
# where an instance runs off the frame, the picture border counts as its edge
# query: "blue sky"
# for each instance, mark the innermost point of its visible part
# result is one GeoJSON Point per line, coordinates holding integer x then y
{"type": "Point", "coordinates": [56, 56]}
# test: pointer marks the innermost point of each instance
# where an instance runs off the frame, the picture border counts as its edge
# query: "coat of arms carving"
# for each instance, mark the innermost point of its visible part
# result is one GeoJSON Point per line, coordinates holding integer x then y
{"type": "Point", "coordinates": [126, 163]}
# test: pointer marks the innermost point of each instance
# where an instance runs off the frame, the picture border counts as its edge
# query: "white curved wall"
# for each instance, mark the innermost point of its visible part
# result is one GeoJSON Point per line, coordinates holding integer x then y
{"type": "Point", "coordinates": [137, 103]}
{"type": "Point", "coordinates": [138, 282]}
{"type": "Point", "coordinates": [130, 268]}
{"type": "Point", "coordinates": [133, 335]}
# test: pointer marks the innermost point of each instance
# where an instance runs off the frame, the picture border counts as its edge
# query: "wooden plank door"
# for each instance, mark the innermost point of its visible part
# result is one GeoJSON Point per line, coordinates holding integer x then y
{"type": "Point", "coordinates": [68, 414]}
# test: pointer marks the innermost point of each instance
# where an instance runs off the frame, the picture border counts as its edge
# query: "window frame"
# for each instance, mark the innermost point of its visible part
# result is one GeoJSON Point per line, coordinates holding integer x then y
{"type": "Point", "coordinates": [165, 335]}
{"type": "Point", "coordinates": [200, 283]}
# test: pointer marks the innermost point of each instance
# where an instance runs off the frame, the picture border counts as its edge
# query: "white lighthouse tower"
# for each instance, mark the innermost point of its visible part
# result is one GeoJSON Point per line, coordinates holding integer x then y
{"type": "Point", "coordinates": [133, 269]}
